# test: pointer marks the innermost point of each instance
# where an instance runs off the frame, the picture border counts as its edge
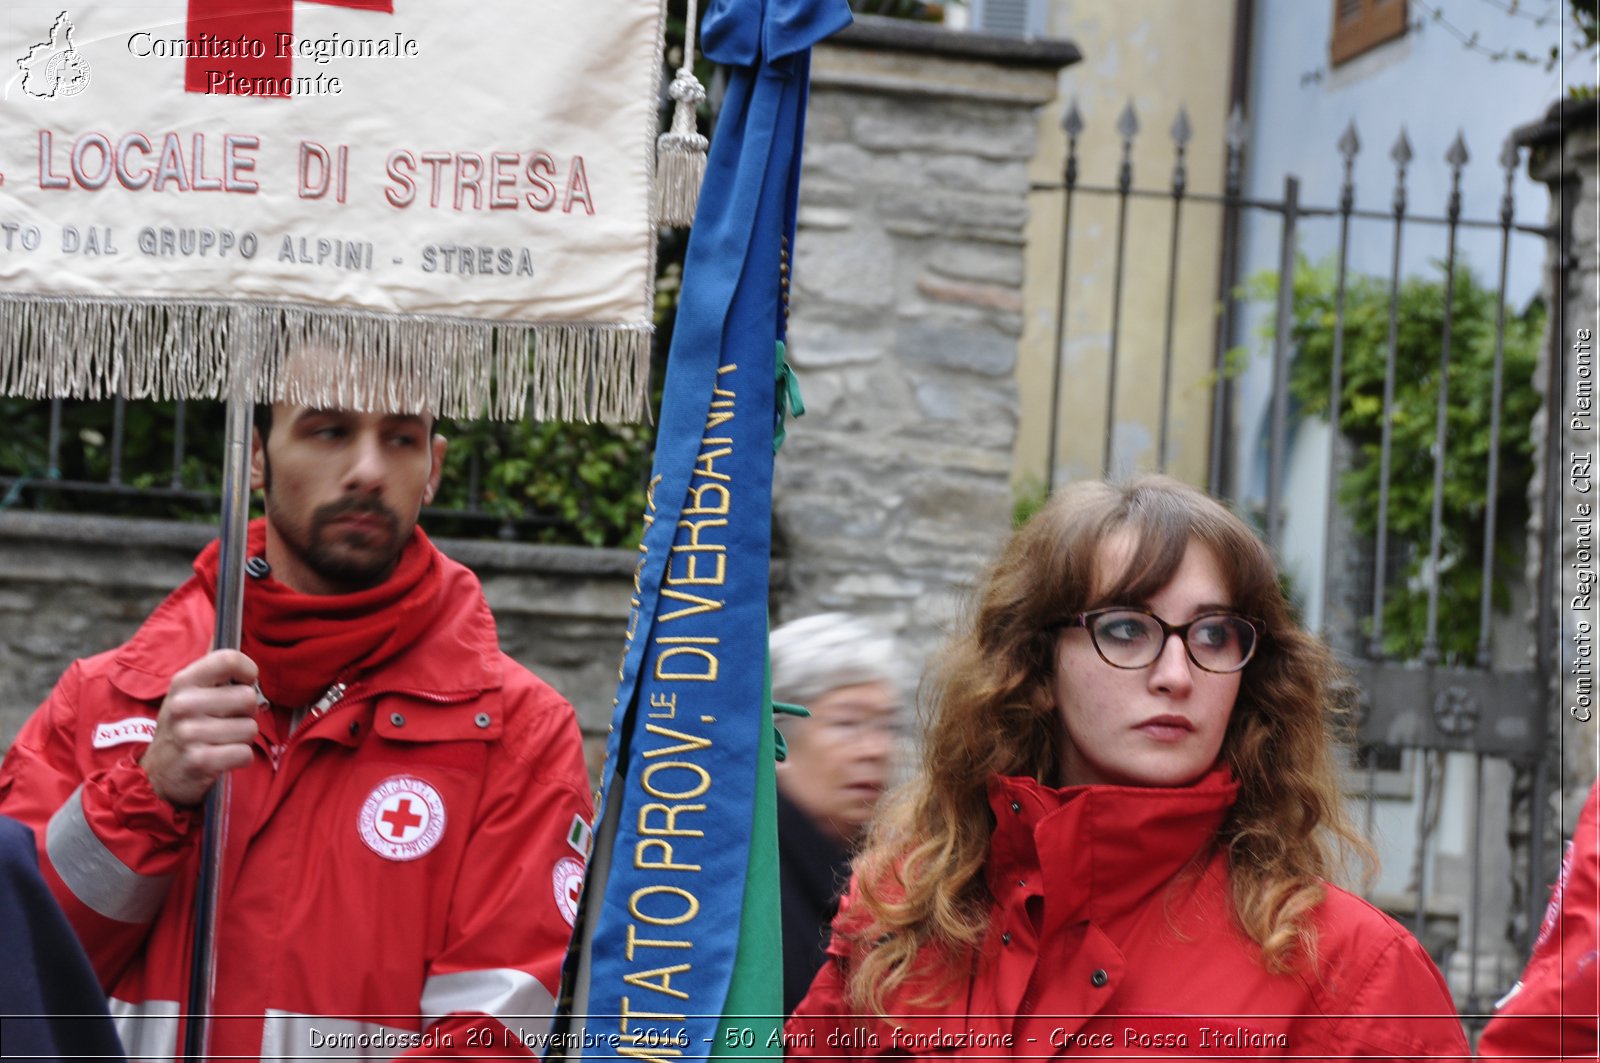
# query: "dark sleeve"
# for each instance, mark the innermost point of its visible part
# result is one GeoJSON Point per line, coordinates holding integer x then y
{"type": "Point", "coordinates": [51, 1006]}
{"type": "Point", "coordinates": [805, 931]}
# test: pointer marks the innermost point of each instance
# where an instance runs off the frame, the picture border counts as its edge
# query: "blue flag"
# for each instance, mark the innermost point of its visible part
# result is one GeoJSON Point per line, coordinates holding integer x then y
{"type": "Point", "coordinates": [672, 889]}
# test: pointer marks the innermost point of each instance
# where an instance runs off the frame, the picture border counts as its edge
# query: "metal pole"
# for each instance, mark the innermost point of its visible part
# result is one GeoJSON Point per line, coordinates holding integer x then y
{"type": "Point", "coordinates": [1278, 440]}
{"type": "Point", "coordinates": [1349, 145]}
{"type": "Point", "coordinates": [53, 447]}
{"type": "Point", "coordinates": [1219, 461]}
{"type": "Point", "coordinates": [1508, 159]}
{"type": "Point", "coordinates": [1180, 139]}
{"type": "Point", "coordinates": [177, 444]}
{"type": "Point", "coordinates": [119, 416]}
{"type": "Point", "coordinates": [1431, 653]}
{"type": "Point", "coordinates": [1073, 124]}
{"type": "Point", "coordinates": [1424, 832]}
{"type": "Point", "coordinates": [1401, 154]}
{"type": "Point", "coordinates": [234, 521]}
{"type": "Point", "coordinates": [1475, 903]}
{"type": "Point", "coordinates": [1128, 126]}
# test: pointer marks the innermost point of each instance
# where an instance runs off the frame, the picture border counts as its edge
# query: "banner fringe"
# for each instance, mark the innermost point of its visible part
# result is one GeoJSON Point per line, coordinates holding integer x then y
{"type": "Point", "coordinates": [74, 348]}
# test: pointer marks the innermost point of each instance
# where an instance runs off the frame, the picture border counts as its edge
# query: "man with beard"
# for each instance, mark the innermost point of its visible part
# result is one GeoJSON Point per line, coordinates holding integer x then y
{"type": "Point", "coordinates": [408, 811]}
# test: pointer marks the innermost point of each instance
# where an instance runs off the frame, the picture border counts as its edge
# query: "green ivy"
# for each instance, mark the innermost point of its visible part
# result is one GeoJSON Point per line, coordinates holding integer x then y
{"type": "Point", "coordinates": [584, 483]}
{"type": "Point", "coordinates": [85, 455]}
{"type": "Point", "coordinates": [1028, 497]}
{"type": "Point", "coordinates": [1413, 427]}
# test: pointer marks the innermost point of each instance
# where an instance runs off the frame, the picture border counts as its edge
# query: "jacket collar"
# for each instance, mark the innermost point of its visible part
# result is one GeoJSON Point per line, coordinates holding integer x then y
{"type": "Point", "coordinates": [458, 657]}
{"type": "Point", "coordinates": [1096, 852]}
{"type": "Point", "coordinates": [1088, 853]}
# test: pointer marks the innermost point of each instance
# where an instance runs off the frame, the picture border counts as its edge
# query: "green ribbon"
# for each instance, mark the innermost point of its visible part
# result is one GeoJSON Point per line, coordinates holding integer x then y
{"type": "Point", "coordinates": [790, 402]}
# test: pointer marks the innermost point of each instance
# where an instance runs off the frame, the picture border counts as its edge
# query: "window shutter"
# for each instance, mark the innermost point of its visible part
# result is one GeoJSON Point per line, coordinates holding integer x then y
{"type": "Point", "coordinates": [1361, 25]}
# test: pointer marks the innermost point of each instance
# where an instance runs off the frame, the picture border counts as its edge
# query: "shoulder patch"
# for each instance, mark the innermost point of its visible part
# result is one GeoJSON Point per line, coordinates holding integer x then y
{"type": "Point", "coordinates": [133, 729]}
{"type": "Point", "coordinates": [402, 819]}
{"type": "Point", "coordinates": [580, 837]}
{"type": "Point", "coordinates": [566, 879]}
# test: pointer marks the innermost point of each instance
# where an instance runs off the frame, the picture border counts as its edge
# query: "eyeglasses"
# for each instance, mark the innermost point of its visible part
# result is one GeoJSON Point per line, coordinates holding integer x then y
{"type": "Point", "coordinates": [1134, 638]}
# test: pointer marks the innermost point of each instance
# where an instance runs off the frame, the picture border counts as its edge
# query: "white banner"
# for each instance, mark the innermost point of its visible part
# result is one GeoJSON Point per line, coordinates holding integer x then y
{"type": "Point", "coordinates": [433, 184]}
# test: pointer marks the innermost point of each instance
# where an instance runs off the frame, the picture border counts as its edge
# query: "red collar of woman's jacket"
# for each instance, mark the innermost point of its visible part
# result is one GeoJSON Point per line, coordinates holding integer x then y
{"type": "Point", "coordinates": [1097, 852]}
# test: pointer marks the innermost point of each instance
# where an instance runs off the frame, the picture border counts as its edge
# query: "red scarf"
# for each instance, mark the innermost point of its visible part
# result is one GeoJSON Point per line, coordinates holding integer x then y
{"type": "Point", "coordinates": [304, 643]}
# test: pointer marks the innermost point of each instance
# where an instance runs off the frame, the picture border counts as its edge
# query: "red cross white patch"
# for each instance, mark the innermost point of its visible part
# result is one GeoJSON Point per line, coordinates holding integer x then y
{"type": "Point", "coordinates": [402, 819]}
{"type": "Point", "coordinates": [567, 880]}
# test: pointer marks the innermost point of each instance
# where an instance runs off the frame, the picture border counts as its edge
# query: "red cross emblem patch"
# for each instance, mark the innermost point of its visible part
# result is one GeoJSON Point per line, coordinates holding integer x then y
{"type": "Point", "coordinates": [402, 819]}
{"type": "Point", "coordinates": [567, 879]}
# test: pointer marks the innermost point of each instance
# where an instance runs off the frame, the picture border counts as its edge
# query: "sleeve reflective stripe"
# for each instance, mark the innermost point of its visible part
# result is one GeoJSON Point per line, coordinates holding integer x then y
{"type": "Point", "coordinates": [94, 874]}
{"type": "Point", "coordinates": [503, 992]}
{"type": "Point", "coordinates": [148, 1030]}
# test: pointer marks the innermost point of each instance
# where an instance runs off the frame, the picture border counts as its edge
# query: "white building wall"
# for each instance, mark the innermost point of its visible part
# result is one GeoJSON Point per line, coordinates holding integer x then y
{"type": "Point", "coordinates": [1433, 87]}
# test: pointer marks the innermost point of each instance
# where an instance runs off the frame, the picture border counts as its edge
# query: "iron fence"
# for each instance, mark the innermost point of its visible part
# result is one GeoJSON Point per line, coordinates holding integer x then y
{"type": "Point", "coordinates": [92, 462]}
{"type": "Point", "coordinates": [1418, 712]}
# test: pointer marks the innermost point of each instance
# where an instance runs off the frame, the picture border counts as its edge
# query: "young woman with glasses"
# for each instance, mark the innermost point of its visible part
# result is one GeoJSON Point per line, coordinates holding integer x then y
{"type": "Point", "coordinates": [1128, 811]}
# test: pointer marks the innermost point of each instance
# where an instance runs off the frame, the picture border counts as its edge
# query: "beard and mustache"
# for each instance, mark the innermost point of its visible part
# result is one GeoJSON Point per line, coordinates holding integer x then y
{"type": "Point", "coordinates": [330, 553]}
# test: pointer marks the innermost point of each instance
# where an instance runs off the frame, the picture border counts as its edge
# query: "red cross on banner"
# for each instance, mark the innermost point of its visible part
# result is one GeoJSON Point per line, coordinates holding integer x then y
{"type": "Point", "coordinates": [401, 819]}
{"type": "Point", "coordinates": [260, 35]}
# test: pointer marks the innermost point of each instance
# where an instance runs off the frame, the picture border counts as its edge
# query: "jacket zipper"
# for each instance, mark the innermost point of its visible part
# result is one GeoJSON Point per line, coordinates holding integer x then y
{"type": "Point", "coordinates": [437, 699]}
{"type": "Point", "coordinates": [330, 697]}
{"type": "Point", "coordinates": [342, 694]}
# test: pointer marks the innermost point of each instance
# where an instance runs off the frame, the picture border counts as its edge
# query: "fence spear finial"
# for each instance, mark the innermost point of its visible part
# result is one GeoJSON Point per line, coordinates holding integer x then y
{"type": "Point", "coordinates": [1072, 121]}
{"type": "Point", "coordinates": [1401, 152]}
{"type": "Point", "coordinates": [1237, 131]}
{"type": "Point", "coordinates": [1235, 137]}
{"type": "Point", "coordinates": [1182, 132]}
{"type": "Point", "coordinates": [1510, 154]}
{"type": "Point", "coordinates": [1350, 142]}
{"type": "Point", "coordinates": [1128, 126]}
{"type": "Point", "coordinates": [1457, 155]}
{"type": "Point", "coordinates": [1128, 122]}
{"type": "Point", "coordinates": [1349, 145]}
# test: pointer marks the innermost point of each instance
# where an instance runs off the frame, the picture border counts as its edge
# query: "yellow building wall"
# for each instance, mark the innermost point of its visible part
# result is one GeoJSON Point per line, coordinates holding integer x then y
{"type": "Point", "coordinates": [1158, 54]}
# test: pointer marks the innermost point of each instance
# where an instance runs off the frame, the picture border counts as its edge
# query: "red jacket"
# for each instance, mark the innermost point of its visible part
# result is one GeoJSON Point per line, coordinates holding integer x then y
{"type": "Point", "coordinates": [403, 864]}
{"type": "Point", "coordinates": [1111, 933]}
{"type": "Point", "coordinates": [1554, 1010]}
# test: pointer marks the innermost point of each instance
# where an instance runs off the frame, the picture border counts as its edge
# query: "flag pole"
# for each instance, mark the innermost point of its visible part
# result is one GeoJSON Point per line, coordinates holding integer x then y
{"type": "Point", "coordinates": [234, 523]}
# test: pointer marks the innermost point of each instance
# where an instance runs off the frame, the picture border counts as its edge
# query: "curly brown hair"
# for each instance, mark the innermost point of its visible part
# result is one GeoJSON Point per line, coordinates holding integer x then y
{"type": "Point", "coordinates": [990, 709]}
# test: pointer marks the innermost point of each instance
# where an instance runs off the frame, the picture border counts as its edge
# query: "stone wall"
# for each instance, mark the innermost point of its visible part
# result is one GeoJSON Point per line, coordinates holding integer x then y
{"type": "Point", "coordinates": [71, 586]}
{"type": "Point", "coordinates": [1565, 154]}
{"type": "Point", "coordinates": [907, 308]}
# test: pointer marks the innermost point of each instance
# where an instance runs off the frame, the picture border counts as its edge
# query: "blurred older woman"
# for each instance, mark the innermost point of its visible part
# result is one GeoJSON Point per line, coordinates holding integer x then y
{"type": "Point", "coordinates": [847, 675]}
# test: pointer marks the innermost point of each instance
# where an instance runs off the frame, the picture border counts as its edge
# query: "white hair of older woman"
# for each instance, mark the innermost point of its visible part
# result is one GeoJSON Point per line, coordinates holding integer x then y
{"type": "Point", "coordinates": [831, 650]}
